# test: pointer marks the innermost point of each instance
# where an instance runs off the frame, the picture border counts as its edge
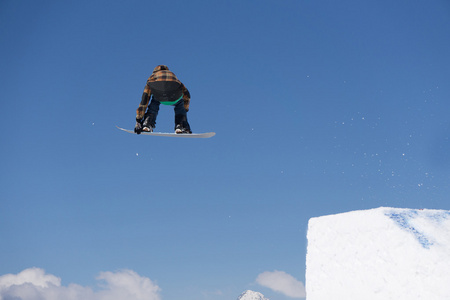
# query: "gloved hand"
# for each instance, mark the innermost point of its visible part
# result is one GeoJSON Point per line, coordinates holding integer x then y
{"type": "Point", "coordinates": [138, 127]}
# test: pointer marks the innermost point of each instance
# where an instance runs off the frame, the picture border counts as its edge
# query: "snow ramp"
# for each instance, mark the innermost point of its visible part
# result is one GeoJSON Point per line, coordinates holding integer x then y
{"type": "Point", "coordinates": [382, 253]}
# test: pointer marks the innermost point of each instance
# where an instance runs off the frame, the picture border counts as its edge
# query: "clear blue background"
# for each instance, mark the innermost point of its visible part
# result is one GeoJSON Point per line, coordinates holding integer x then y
{"type": "Point", "coordinates": [320, 107]}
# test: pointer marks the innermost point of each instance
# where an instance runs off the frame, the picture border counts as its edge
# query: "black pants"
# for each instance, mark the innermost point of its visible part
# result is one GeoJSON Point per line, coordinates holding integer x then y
{"type": "Point", "coordinates": [153, 109]}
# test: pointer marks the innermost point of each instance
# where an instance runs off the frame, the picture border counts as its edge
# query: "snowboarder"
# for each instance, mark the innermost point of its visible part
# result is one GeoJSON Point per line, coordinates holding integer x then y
{"type": "Point", "coordinates": [163, 87]}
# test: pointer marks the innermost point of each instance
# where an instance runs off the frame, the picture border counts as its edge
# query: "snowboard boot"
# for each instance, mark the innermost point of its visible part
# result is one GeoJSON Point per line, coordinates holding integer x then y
{"type": "Point", "coordinates": [147, 128]}
{"type": "Point", "coordinates": [180, 129]}
{"type": "Point", "coordinates": [149, 123]}
{"type": "Point", "coordinates": [182, 125]}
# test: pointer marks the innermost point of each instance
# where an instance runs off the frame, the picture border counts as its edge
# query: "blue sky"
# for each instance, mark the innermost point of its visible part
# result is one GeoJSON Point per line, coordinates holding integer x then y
{"type": "Point", "coordinates": [320, 107]}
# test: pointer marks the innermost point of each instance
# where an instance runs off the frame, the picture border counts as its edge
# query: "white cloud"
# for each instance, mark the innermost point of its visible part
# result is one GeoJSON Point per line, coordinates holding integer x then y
{"type": "Point", "coordinates": [34, 284]}
{"type": "Point", "coordinates": [127, 285]}
{"type": "Point", "coordinates": [282, 282]}
{"type": "Point", "coordinates": [34, 275]}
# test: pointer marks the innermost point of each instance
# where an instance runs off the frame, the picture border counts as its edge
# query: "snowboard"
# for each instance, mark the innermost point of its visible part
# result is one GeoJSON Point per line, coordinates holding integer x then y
{"type": "Point", "coordinates": [178, 135]}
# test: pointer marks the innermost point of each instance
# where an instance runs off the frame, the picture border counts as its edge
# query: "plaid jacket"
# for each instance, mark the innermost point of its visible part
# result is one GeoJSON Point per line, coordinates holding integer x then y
{"type": "Point", "coordinates": [158, 76]}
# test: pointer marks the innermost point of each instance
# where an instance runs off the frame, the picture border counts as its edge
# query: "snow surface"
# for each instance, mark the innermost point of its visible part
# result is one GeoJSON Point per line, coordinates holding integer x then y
{"type": "Point", "coordinates": [251, 295]}
{"type": "Point", "coordinates": [383, 253]}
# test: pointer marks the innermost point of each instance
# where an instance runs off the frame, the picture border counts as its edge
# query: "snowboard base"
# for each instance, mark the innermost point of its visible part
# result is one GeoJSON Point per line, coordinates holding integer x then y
{"type": "Point", "coordinates": [168, 134]}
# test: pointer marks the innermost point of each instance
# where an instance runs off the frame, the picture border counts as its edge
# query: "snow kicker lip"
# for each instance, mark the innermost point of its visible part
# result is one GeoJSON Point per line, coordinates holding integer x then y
{"type": "Point", "coordinates": [403, 220]}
